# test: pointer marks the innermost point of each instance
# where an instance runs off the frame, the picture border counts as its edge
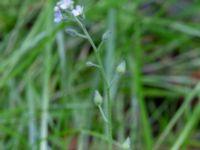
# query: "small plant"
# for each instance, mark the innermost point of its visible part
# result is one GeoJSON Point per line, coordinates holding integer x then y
{"type": "Point", "coordinates": [66, 10]}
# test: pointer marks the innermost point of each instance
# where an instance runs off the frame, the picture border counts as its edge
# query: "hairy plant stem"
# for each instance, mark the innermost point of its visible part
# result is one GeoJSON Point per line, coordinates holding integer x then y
{"type": "Point", "coordinates": [102, 70]}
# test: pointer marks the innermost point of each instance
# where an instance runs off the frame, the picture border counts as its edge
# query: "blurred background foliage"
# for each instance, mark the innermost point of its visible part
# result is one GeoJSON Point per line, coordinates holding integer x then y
{"type": "Point", "coordinates": [155, 102]}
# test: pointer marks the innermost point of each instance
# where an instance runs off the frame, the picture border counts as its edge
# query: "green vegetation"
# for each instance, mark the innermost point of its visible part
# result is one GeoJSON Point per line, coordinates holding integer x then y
{"type": "Point", "coordinates": [139, 59]}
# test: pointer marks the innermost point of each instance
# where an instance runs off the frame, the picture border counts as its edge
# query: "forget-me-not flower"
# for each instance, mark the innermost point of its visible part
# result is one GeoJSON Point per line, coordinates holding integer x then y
{"type": "Point", "coordinates": [77, 11]}
{"type": "Point", "coordinates": [57, 14]}
{"type": "Point", "coordinates": [64, 7]}
{"type": "Point", "coordinates": [65, 4]}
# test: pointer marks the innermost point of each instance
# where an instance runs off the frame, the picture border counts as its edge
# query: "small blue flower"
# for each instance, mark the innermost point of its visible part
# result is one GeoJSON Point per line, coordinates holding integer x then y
{"type": "Point", "coordinates": [77, 11]}
{"type": "Point", "coordinates": [57, 15]}
{"type": "Point", "coordinates": [65, 4]}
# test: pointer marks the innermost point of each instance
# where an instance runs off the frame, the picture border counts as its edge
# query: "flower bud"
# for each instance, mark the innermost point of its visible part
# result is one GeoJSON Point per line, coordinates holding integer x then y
{"type": "Point", "coordinates": [106, 35]}
{"type": "Point", "coordinates": [91, 64]}
{"type": "Point", "coordinates": [127, 144]}
{"type": "Point", "coordinates": [71, 32]}
{"type": "Point", "coordinates": [121, 68]}
{"type": "Point", "coordinates": [98, 98]}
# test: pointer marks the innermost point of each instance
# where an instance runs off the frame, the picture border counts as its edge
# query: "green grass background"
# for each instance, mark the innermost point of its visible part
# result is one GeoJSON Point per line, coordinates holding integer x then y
{"type": "Point", "coordinates": [42, 68]}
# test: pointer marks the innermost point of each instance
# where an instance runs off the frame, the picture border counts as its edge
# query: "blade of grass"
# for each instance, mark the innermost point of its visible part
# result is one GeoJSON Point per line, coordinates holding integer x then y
{"type": "Point", "coordinates": [32, 120]}
{"type": "Point", "coordinates": [46, 81]}
{"type": "Point", "coordinates": [110, 48]}
{"type": "Point", "coordinates": [138, 85]}
{"type": "Point", "coordinates": [194, 117]}
{"type": "Point", "coordinates": [178, 114]}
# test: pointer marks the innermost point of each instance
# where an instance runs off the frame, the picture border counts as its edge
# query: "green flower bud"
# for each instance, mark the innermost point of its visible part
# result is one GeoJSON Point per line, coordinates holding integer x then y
{"type": "Point", "coordinates": [98, 98]}
{"type": "Point", "coordinates": [91, 64]}
{"type": "Point", "coordinates": [121, 68]}
{"type": "Point", "coordinates": [106, 35]}
{"type": "Point", "coordinates": [127, 144]}
{"type": "Point", "coordinates": [72, 32]}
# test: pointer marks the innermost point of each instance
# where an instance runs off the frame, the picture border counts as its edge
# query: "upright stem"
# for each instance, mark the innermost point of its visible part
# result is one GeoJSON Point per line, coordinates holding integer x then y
{"type": "Point", "coordinates": [109, 123]}
{"type": "Point", "coordinates": [102, 70]}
